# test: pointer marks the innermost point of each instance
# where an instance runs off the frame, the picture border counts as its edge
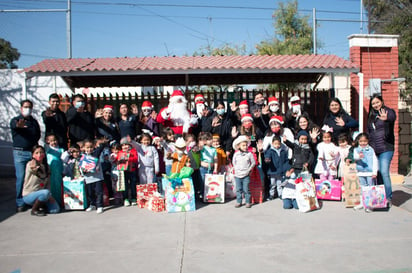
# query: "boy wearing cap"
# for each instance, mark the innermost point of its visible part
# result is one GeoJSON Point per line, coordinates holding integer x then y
{"type": "Point", "coordinates": [179, 158]}
{"type": "Point", "coordinates": [302, 153]}
{"type": "Point", "coordinates": [243, 163]}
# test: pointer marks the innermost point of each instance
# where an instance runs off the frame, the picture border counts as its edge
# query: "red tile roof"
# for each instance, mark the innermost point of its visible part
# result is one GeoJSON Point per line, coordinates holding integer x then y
{"type": "Point", "coordinates": [171, 64]}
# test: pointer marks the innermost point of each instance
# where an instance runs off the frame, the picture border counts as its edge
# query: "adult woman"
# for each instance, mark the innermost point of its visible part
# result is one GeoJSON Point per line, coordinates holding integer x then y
{"type": "Point", "coordinates": [147, 119]}
{"type": "Point", "coordinates": [106, 125]}
{"type": "Point", "coordinates": [128, 124]}
{"type": "Point", "coordinates": [337, 118]}
{"type": "Point", "coordinates": [381, 122]}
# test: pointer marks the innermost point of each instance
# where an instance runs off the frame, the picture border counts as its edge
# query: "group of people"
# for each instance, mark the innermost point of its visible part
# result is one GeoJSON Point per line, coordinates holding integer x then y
{"type": "Point", "coordinates": [143, 145]}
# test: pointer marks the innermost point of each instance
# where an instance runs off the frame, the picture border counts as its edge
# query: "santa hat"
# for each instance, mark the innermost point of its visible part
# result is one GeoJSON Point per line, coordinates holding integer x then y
{"type": "Point", "coordinates": [108, 108]}
{"type": "Point", "coordinates": [277, 119]}
{"type": "Point", "coordinates": [199, 99]}
{"type": "Point", "coordinates": [272, 100]}
{"type": "Point", "coordinates": [176, 95]}
{"type": "Point", "coordinates": [155, 138]}
{"type": "Point", "coordinates": [246, 117]}
{"type": "Point", "coordinates": [294, 100]}
{"type": "Point", "coordinates": [147, 105]}
{"type": "Point", "coordinates": [243, 103]}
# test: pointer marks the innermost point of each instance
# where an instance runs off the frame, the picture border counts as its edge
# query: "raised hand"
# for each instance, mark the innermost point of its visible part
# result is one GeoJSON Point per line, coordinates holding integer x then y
{"type": "Point", "coordinates": [383, 114]}
{"type": "Point", "coordinates": [339, 121]}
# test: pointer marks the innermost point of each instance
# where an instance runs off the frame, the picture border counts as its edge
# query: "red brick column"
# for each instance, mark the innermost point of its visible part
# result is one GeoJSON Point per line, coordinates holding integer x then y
{"type": "Point", "coordinates": [377, 62]}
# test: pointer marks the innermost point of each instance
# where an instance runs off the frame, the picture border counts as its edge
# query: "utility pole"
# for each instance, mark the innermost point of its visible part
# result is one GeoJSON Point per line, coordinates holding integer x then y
{"type": "Point", "coordinates": [315, 51]}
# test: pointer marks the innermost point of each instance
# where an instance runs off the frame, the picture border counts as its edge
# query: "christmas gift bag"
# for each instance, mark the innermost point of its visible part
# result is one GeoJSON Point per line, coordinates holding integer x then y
{"type": "Point", "coordinates": [74, 194]}
{"type": "Point", "coordinates": [374, 197]}
{"type": "Point", "coordinates": [230, 184]}
{"type": "Point", "coordinates": [289, 189]}
{"type": "Point", "coordinates": [180, 195]}
{"type": "Point", "coordinates": [306, 195]}
{"type": "Point", "coordinates": [214, 188]}
{"type": "Point", "coordinates": [328, 189]}
{"type": "Point", "coordinates": [88, 163]}
{"type": "Point", "coordinates": [351, 186]}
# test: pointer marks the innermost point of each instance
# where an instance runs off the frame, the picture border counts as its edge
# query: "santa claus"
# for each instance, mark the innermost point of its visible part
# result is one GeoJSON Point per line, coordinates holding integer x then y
{"type": "Point", "coordinates": [176, 116]}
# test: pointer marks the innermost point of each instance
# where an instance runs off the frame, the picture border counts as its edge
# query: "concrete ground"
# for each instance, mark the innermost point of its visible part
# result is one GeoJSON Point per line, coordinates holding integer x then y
{"type": "Point", "coordinates": [214, 238]}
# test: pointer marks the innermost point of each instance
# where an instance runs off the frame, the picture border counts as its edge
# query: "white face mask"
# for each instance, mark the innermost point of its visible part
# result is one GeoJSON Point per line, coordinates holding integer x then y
{"type": "Point", "coordinates": [274, 108]}
{"type": "Point", "coordinates": [26, 112]}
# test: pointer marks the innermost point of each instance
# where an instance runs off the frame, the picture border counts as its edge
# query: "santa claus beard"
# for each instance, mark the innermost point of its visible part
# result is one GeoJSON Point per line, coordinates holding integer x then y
{"type": "Point", "coordinates": [179, 113]}
{"type": "Point", "coordinates": [199, 109]}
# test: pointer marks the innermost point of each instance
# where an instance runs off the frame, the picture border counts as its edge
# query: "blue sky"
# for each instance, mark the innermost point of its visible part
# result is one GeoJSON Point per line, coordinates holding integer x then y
{"type": "Point", "coordinates": [160, 28]}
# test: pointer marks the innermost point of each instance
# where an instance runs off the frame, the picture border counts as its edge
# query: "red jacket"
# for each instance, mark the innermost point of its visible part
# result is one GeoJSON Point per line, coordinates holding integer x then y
{"type": "Point", "coordinates": [165, 120]}
{"type": "Point", "coordinates": [127, 160]}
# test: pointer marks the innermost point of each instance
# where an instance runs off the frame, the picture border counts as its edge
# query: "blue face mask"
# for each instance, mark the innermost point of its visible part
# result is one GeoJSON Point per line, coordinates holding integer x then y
{"type": "Point", "coordinates": [220, 112]}
{"type": "Point", "coordinates": [78, 104]}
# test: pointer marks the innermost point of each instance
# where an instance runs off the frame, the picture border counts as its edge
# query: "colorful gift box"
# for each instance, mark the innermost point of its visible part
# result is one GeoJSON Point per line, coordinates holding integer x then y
{"type": "Point", "coordinates": [156, 203]}
{"type": "Point", "coordinates": [88, 163]}
{"type": "Point", "coordinates": [328, 189]}
{"type": "Point", "coordinates": [145, 191]}
{"type": "Point", "coordinates": [142, 202]}
{"type": "Point", "coordinates": [214, 188]}
{"type": "Point", "coordinates": [351, 185]}
{"type": "Point", "coordinates": [74, 194]}
{"type": "Point", "coordinates": [179, 195]}
{"type": "Point", "coordinates": [306, 195]}
{"type": "Point", "coordinates": [374, 197]}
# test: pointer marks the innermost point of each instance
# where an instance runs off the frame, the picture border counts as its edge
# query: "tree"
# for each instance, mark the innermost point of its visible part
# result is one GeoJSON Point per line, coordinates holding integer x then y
{"type": "Point", "coordinates": [8, 55]}
{"type": "Point", "coordinates": [293, 33]}
{"type": "Point", "coordinates": [394, 17]}
{"type": "Point", "coordinates": [224, 50]}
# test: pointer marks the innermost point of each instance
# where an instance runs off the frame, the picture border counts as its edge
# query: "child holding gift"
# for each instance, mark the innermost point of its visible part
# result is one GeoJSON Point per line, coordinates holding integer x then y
{"type": "Point", "coordinates": [167, 144]}
{"type": "Point", "coordinates": [243, 163]}
{"type": "Point", "coordinates": [54, 154]}
{"type": "Point", "coordinates": [302, 153]}
{"type": "Point", "coordinates": [208, 157]}
{"type": "Point", "coordinates": [221, 154]}
{"type": "Point", "coordinates": [127, 160]}
{"type": "Point", "coordinates": [179, 158]}
{"type": "Point", "coordinates": [148, 159]}
{"type": "Point", "coordinates": [71, 160]}
{"type": "Point", "coordinates": [117, 177]}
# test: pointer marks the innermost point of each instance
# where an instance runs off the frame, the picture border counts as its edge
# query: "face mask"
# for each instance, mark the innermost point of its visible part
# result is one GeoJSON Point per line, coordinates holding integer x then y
{"type": "Point", "coordinates": [274, 108]}
{"type": "Point", "coordinates": [220, 112]}
{"type": "Point", "coordinates": [26, 112]}
{"type": "Point", "coordinates": [78, 104]}
{"type": "Point", "coordinates": [146, 112]}
{"type": "Point", "coordinates": [276, 130]}
{"type": "Point", "coordinates": [260, 102]}
{"type": "Point", "coordinates": [296, 108]}
{"type": "Point", "coordinates": [39, 157]}
{"type": "Point", "coordinates": [247, 125]}
{"type": "Point", "coordinates": [243, 111]}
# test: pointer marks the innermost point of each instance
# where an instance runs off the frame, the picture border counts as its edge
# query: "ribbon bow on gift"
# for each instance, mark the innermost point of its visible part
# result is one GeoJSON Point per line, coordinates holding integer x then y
{"type": "Point", "coordinates": [298, 180]}
{"type": "Point", "coordinates": [327, 129]}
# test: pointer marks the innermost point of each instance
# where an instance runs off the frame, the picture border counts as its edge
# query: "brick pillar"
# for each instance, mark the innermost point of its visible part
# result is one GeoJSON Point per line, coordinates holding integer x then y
{"type": "Point", "coordinates": [377, 57]}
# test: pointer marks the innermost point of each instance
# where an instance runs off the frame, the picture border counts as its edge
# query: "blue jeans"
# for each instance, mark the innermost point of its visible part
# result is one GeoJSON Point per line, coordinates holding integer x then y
{"type": "Point", "coordinates": [366, 181]}
{"type": "Point", "coordinates": [384, 160]}
{"type": "Point", "coordinates": [242, 186]}
{"type": "Point", "coordinates": [95, 194]}
{"type": "Point", "coordinates": [20, 160]}
{"type": "Point", "coordinates": [289, 203]}
{"type": "Point", "coordinates": [275, 186]}
{"type": "Point", "coordinates": [43, 196]}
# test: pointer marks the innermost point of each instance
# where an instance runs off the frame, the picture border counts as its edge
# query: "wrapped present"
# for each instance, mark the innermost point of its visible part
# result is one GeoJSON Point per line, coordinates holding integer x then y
{"type": "Point", "coordinates": [145, 191]}
{"type": "Point", "coordinates": [74, 194]}
{"type": "Point", "coordinates": [214, 188]}
{"type": "Point", "coordinates": [328, 189]}
{"type": "Point", "coordinates": [374, 197]}
{"type": "Point", "coordinates": [306, 195]}
{"type": "Point", "coordinates": [142, 202]}
{"type": "Point", "coordinates": [179, 195]}
{"type": "Point", "coordinates": [88, 163]}
{"type": "Point", "coordinates": [351, 186]}
{"type": "Point", "coordinates": [156, 203]}
{"type": "Point", "coordinates": [255, 187]}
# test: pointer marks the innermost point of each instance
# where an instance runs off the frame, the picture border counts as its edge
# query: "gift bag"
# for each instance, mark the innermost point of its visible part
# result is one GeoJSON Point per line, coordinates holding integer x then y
{"type": "Point", "coordinates": [88, 163]}
{"type": "Point", "coordinates": [230, 184]}
{"type": "Point", "coordinates": [74, 194]}
{"type": "Point", "coordinates": [328, 189]}
{"type": "Point", "coordinates": [214, 188]}
{"type": "Point", "coordinates": [374, 197]}
{"type": "Point", "coordinates": [351, 186]}
{"type": "Point", "coordinates": [119, 180]}
{"type": "Point", "coordinates": [306, 195]}
{"type": "Point", "coordinates": [179, 195]}
{"type": "Point", "coordinates": [289, 189]}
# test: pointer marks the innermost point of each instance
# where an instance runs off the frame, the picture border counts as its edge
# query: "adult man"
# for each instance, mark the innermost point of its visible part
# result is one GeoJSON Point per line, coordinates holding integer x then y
{"type": "Point", "coordinates": [79, 120]}
{"type": "Point", "coordinates": [176, 116]}
{"type": "Point", "coordinates": [55, 121]}
{"type": "Point", "coordinates": [25, 131]}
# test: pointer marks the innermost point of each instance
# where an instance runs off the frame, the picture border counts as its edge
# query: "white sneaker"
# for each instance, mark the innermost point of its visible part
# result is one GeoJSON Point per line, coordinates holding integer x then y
{"type": "Point", "coordinates": [134, 203]}
{"type": "Point", "coordinates": [90, 208]}
{"type": "Point", "coordinates": [358, 207]}
{"type": "Point", "coordinates": [99, 210]}
{"type": "Point", "coordinates": [126, 203]}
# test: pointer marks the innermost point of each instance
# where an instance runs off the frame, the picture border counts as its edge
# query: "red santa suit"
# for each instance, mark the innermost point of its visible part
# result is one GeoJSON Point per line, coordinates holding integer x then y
{"type": "Point", "coordinates": [176, 116]}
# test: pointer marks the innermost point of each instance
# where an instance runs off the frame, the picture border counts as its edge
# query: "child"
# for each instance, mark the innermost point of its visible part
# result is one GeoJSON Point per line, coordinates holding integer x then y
{"type": "Point", "coordinates": [179, 158]}
{"type": "Point", "coordinates": [243, 163]}
{"type": "Point", "coordinates": [91, 169]}
{"type": "Point", "coordinates": [328, 156]}
{"type": "Point", "coordinates": [193, 151]}
{"type": "Point", "coordinates": [221, 154]}
{"type": "Point", "coordinates": [168, 147]}
{"type": "Point", "coordinates": [208, 156]}
{"type": "Point", "coordinates": [148, 159]}
{"type": "Point", "coordinates": [278, 165]}
{"type": "Point", "coordinates": [54, 154]}
{"type": "Point", "coordinates": [343, 150]}
{"type": "Point", "coordinates": [117, 177]}
{"type": "Point", "coordinates": [71, 160]}
{"type": "Point", "coordinates": [36, 182]}
{"type": "Point", "coordinates": [366, 163]}
{"type": "Point", "coordinates": [127, 161]}
{"type": "Point", "coordinates": [302, 153]}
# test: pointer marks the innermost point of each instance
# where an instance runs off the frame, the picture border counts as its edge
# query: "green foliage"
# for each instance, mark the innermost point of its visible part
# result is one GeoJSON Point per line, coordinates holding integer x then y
{"type": "Point", "coordinates": [225, 50]}
{"type": "Point", "coordinates": [293, 33]}
{"type": "Point", "coordinates": [8, 55]}
{"type": "Point", "coordinates": [395, 17]}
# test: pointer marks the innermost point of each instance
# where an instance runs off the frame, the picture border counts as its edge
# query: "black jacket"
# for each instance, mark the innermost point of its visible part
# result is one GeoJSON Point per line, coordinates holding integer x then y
{"type": "Point", "coordinates": [81, 125]}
